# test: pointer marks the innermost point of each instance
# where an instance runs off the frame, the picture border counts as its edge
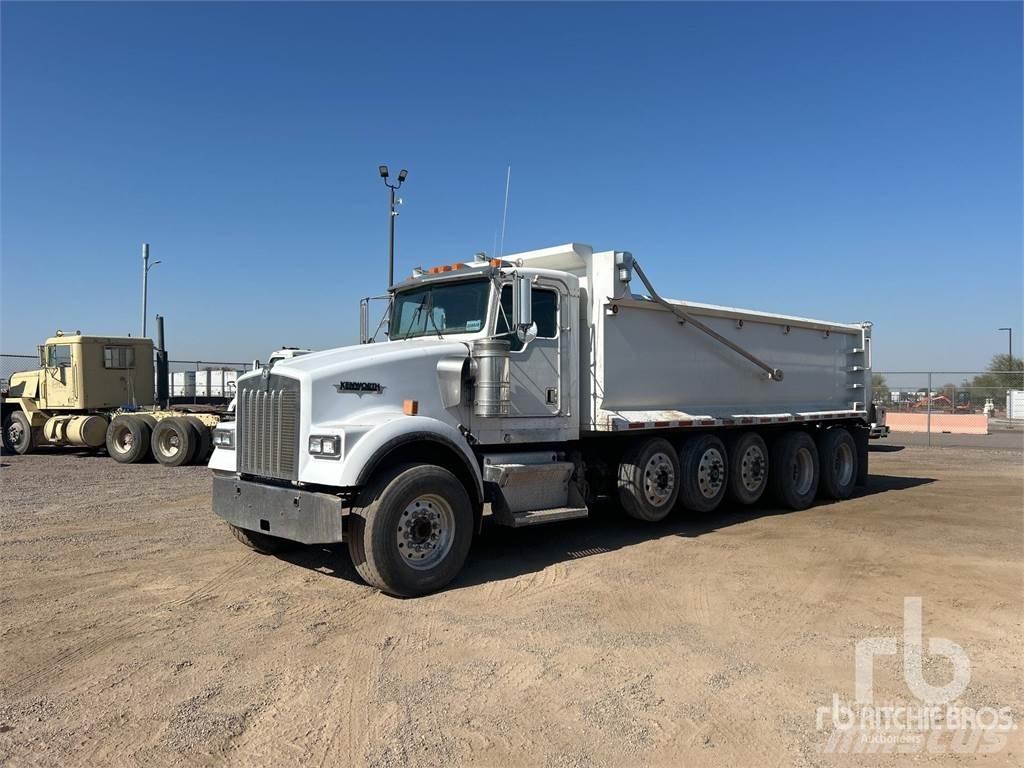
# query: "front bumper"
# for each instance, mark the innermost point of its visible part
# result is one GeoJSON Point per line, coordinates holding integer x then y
{"type": "Point", "coordinates": [288, 513]}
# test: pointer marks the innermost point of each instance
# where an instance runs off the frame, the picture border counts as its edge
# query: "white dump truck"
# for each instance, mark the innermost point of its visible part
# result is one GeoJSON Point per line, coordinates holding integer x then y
{"type": "Point", "coordinates": [535, 386]}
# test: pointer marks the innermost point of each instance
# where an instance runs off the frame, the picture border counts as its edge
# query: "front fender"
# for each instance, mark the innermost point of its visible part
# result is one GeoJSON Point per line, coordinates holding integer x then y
{"type": "Point", "coordinates": [371, 447]}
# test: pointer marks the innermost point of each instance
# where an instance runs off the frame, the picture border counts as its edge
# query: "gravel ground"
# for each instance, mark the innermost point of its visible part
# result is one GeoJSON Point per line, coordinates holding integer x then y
{"type": "Point", "coordinates": [136, 630]}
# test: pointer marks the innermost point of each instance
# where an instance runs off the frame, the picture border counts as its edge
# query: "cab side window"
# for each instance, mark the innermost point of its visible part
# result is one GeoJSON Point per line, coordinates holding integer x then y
{"type": "Point", "coordinates": [545, 314]}
{"type": "Point", "coordinates": [58, 355]}
{"type": "Point", "coordinates": [118, 357]}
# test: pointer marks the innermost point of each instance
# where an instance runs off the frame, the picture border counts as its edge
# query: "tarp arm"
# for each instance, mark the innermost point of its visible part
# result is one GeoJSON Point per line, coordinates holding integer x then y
{"type": "Point", "coordinates": [774, 374]}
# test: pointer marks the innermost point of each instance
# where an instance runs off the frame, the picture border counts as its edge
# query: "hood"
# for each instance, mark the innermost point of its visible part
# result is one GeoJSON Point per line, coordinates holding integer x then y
{"type": "Point", "coordinates": [366, 383]}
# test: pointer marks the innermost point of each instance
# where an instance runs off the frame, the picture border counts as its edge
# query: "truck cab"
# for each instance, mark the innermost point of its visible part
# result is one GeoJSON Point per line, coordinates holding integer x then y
{"type": "Point", "coordinates": [513, 383]}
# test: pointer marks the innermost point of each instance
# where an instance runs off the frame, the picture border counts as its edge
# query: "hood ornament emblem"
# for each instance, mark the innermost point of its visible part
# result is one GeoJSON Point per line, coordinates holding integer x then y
{"type": "Point", "coordinates": [359, 388]}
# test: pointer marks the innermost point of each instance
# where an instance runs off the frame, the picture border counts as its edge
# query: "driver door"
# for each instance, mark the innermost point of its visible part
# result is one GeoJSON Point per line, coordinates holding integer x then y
{"type": "Point", "coordinates": [535, 370]}
{"type": "Point", "coordinates": [59, 376]}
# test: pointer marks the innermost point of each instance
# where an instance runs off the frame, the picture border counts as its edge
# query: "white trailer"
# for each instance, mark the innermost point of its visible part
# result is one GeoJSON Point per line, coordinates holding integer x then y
{"type": "Point", "coordinates": [1015, 403]}
{"type": "Point", "coordinates": [538, 384]}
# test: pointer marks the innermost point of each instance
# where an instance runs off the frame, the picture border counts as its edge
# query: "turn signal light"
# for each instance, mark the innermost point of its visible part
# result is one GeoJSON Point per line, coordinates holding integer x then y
{"type": "Point", "coordinates": [411, 407]}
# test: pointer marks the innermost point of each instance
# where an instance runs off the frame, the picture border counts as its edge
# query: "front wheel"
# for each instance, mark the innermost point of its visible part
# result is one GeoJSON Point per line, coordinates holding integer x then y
{"type": "Point", "coordinates": [19, 436]}
{"type": "Point", "coordinates": [260, 542]}
{"type": "Point", "coordinates": [411, 530]}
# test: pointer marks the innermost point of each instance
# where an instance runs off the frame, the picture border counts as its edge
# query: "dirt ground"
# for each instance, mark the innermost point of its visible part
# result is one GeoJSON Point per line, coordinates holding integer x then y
{"type": "Point", "coordinates": [136, 630]}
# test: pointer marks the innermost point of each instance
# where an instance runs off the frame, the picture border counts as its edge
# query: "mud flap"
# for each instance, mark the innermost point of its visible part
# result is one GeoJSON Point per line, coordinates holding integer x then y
{"type": "Point", "coordinates": [860, 438]}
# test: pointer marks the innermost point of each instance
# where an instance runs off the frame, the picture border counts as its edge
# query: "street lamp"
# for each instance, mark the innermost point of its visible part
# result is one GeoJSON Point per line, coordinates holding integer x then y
{"type": "Point", "coordinates": [146, 266]}
{"type": "Point", "coordinates": [1010, 332]}
{"type": "Point", "coordinates": [392, 213]}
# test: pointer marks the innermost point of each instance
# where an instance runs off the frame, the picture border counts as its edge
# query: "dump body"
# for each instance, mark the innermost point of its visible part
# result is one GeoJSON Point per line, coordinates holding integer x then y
{"type": "Point", "coordinates": [650, 366]}
{"type": "Point", "coordinates": [641, 363]}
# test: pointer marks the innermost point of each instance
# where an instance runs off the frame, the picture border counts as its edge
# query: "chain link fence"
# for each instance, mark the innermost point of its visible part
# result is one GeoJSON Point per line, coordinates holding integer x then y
{"type": "Point", "coordinates": [950, 392]}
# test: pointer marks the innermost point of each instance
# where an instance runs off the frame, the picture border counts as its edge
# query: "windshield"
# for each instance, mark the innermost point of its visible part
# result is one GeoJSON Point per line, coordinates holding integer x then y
{"type": "Point", "coordinates": [440, 309]}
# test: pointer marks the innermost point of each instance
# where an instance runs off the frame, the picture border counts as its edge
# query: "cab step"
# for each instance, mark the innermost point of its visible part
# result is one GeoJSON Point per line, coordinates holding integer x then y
{"type": "Point", "coordinates": [531, 488]}
{"type": "Point", "coordinates": [538, 516]}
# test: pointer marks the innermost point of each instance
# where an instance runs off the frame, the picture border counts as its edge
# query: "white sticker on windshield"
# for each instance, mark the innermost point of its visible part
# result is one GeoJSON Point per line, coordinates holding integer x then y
{"type": "Point", "coordinates": [473, 325]}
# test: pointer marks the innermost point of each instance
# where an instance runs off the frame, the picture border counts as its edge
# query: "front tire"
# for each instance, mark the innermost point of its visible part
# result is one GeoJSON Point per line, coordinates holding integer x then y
{"type": "Point", "coordinates": [260, 542]}
{"type": "Point", "coordinates": [411, 531]}
{"type": "Point", "coordinates": [794, 475]}
{"type": "Point", "coordinates": [19, 436]}
{"type": "Point", "coordinates": [649, 480]}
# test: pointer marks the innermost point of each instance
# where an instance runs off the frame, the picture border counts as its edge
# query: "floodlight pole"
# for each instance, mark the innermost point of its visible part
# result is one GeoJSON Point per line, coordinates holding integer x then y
{"type": "Point", "coordinates": [1010, 350]}
{"type": "Point", "coordinates": [392, 213]}
{"type": "Point", "coordinates": [146, 266]}
{"type": "Point", "coordinates": [391, 235]}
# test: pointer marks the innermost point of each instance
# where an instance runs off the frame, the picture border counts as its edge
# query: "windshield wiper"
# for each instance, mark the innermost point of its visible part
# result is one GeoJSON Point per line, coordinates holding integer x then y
{"type": "Point", "coordinates": [415, 317]}
{"type": "Point", "coordinates": [430, 314]}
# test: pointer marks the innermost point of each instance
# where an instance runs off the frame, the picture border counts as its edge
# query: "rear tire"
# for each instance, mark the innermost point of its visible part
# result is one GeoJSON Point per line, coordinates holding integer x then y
{"type": "Point", "coordinates": [19, 436]}
{"type": "Point", "coordinates": [411, 531]}
{"type": "Point", "coordinates": [205, 444]}
{"type": "Point", "coordinates": [705, 473]}
{"type": "Point", "coordinates": [174, 441]}
{"type": "Point", "coordinates": [260, 542]}
{"type": "Point", "coordinates": [838, 454]}
{"type": "Point", "coordinates": [649, 479]}
{"type": "Point", "coordinates": [748, 468]}
{"type": "Point", "coordinates": [794, 474]}
{"type": "Point", "coordinates": [128, 439]}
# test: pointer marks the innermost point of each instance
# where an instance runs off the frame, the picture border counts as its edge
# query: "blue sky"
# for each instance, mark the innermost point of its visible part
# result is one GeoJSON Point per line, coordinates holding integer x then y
{"type": "Point", "coordinates": [844, 161]}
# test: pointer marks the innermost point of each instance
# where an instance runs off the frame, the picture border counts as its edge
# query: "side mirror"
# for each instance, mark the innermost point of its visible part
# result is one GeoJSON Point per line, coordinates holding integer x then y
{"type": "Point", "coordinates": [527, 334]}
{"type": "Point", "coordinates": [522, 302]}
{"type": "Point", "coordinates": [41, 351]}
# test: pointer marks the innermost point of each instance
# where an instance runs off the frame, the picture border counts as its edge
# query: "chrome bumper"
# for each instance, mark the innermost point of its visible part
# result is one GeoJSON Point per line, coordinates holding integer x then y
{"type": "Point", "coordinates": [288, 513]}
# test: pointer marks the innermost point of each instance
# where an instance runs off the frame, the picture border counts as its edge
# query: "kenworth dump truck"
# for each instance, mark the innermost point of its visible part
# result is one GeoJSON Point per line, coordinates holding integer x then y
{"type": "Point", "coordinates": [96, 391]}
{"type": "Point", "coordinates": [537, 385]}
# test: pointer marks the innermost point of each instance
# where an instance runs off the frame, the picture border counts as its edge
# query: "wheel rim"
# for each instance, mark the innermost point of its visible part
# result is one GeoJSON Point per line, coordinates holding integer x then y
{"type": "Point", "coordinates": [843, 464]}
{"type": "Point", "coordinates": [711, 473]}
{"type": "Point", "coordinates": [426, 532]}
{"type": "Point", "coordinates": [803, 471]}
{"type": "Point", "coordinates": [659, 480]}
{"type": "Point", "coordinates": [169, 443]}
{"type": "Point", "coordinates": [124, 439]}
{"type": "Point", "coordinates": [752, 468]}
{"type": "Point", "coordinates": [15, 433]}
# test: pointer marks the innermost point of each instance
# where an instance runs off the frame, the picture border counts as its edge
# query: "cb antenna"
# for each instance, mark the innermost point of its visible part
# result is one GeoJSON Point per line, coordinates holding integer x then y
{"type": "Point", "coordinates": [504, 213]}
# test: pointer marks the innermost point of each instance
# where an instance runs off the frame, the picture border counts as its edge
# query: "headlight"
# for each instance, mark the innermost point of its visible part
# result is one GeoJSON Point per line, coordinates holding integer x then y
{"type": "Point", "coordinates": [328, 446]}
{"type": "Point", "coordinates": [224, 438]}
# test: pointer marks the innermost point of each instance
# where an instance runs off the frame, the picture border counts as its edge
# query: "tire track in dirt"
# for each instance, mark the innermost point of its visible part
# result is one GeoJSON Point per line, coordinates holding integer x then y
{"type": "Point", "coordinates": [123, 631]}
{"type": "Point", "coordinates": [533, 584]}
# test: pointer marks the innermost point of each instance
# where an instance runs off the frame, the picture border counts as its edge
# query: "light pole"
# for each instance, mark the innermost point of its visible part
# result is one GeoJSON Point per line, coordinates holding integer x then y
{"type": "Point", "coordinates": [392, 213]}
{"type": "Point", "coordinates": [146, 266]}
{"type": "Point", "coordinates": [1009, 331]}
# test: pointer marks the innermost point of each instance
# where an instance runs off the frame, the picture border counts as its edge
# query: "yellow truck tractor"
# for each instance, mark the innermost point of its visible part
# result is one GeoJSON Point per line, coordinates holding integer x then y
{"type": "Point", "coordinates": [95, 392]}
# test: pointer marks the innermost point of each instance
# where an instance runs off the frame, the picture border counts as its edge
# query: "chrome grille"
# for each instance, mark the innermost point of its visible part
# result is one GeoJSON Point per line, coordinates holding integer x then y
{"type": "Point", "coordinates": [268, 427]}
